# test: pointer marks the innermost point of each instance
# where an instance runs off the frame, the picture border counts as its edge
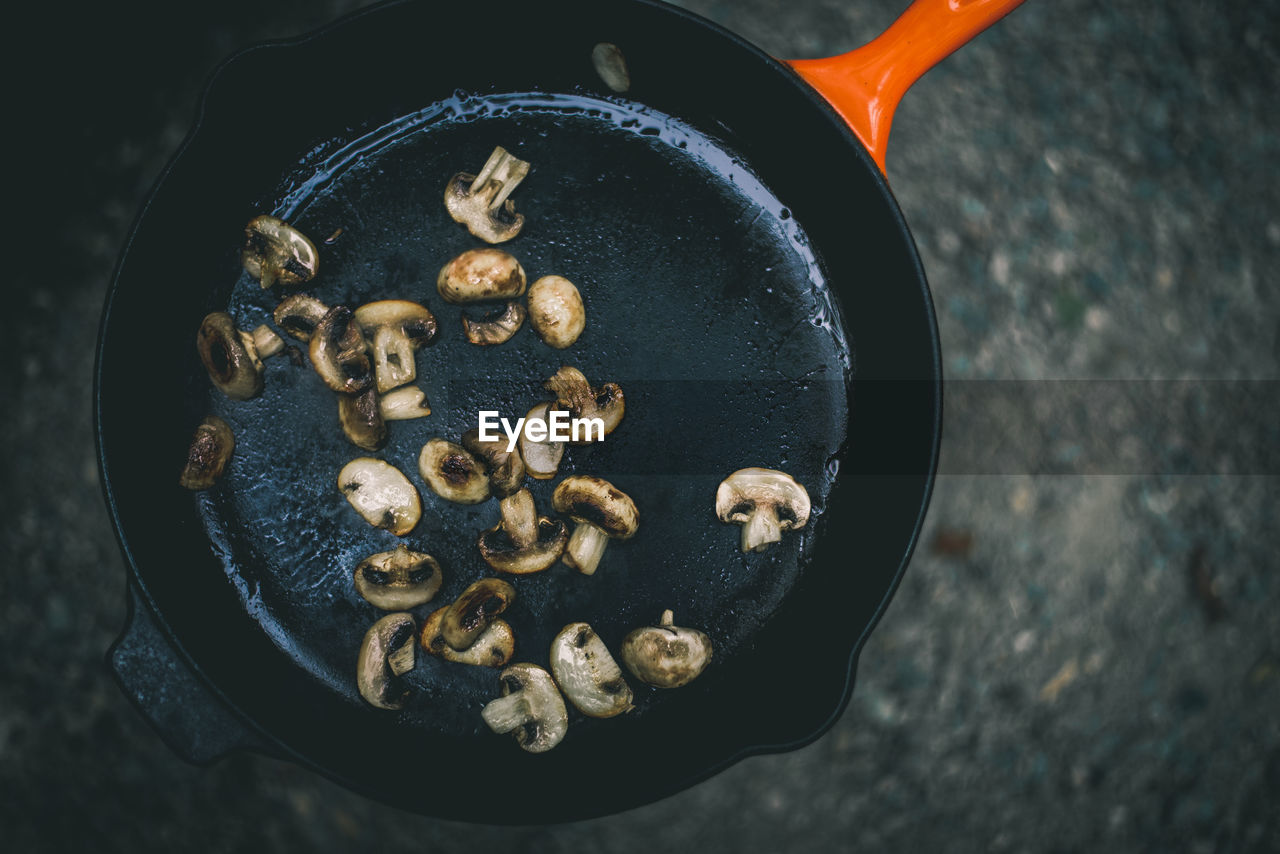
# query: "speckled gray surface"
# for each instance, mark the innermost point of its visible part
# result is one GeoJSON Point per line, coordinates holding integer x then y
{"type": "Point", "coordinates": [1091, 186]}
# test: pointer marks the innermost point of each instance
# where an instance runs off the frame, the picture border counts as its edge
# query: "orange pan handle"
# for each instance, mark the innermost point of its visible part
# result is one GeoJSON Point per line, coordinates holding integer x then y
{"type": "Point", "coordinates": [865, 85]}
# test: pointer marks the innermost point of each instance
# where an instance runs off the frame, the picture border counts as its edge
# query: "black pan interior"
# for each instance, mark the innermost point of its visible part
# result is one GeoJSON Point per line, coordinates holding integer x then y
{"type": "Point", "coordinates": [706, 300]}
{"type": "Point", "coordinates": [705, 303]}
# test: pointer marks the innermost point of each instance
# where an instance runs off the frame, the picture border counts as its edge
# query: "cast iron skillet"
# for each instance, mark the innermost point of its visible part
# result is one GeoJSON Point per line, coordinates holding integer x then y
{"type": "Point", "coordinates": [749, 282]}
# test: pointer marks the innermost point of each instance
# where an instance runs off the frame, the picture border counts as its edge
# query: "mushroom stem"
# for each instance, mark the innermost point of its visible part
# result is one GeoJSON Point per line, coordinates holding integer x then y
{"type": "Point", "coordinates": [502, 170]}
{"type": "Point", "coordinates": [761, 529]}
{"type": "Point", "coordinates": [400, 661]}
{"type": "Point", "coordinates": [266, 341]}
{"type": "Point", "coordinates": [393, 358]}
{"type": "Point", "coordinates": [520, 518]}
{"type": "Point", "coordinates": [506, 713]}
{"type": "Point", "coordinates": [586, 547]}
{"type": "Point", "coordinates": [668, 619]}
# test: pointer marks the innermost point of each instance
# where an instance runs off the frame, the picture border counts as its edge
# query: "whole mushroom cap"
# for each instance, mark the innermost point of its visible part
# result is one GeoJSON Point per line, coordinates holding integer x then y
{"type": "Point", "coordinates": [762, 486]}
{"type": "Point", "coordinates": [666, 655]}
{"type": "Point", "coordinates": [481, 274]}
{"type": "Point", "coordinates": [556, 311]}
{"type": "Point", "coordinates": [765, 502]}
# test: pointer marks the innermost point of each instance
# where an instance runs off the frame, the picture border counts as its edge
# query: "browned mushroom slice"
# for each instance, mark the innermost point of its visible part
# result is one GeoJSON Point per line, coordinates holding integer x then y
{"type": "Point", "coordinates": [473, 611]}
{"type": "Point", "coordinates": [232, 362]}
{"type": "Point", "coordinates": [556, 312]}
{"type": "Point", "coordinates": [275, 251]}
{"type": "Point", "coordinates": [494, 329]}
{"type": "Point", "coordinates": [481, 203]}
{"type": "Point", "coordinates": [338, 352]}
{"type": "Point", "coordinates": [396, 329]}
{"type": "Point", "coordinates": [602, 511]}
{"type": "Point", "coordinates": [299, 315]}
{"type": "Point", "coordinates": [666, 655]}
{"type": "Point", "coordinates": [211, 448]}
{"type": "Point", "coordinates": [478, 275]}
{"type": "Point", "coordinates": [386, 654]}
{"type": "Point", "coordinates": [505, 468]}
{"type": "Point", "coordinates": [398, 580]}
{"type": "Point", "coordinates": [523, 542]}
{"type": "Point", "coordinates": [493, 647]}
{"type": "Point", "coordinates": [765, 502]}
{"type": "Point", "coordinates": [582, 400]}
{"type": "Point", "coordinates": [530, 708]}
{"type": "Point", "coordinates": [452, 473]}
{"type": "Point", "coordinates": [361, 418]}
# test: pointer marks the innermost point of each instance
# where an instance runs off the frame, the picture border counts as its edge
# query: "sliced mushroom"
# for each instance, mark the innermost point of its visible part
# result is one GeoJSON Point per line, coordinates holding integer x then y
{"type": "Point", "coordinates": [555, 311]}
{"type": "Point", "coordinates": [299, 315]}
{"type": "Point", "coordinates": [386, 654]}
{"type": "Point", "coordinates": [381, 494]}
{"type": "Point", "coordinates": [587, 673]}
{"type": "Point", "coordinates": [399, 579]}
{"type": "Point", "coordinates": [211, 448]}
{"type": "Point", "coordinates": [275, 251]}
{"type": "Point", "coordinates": [666, 655]}
{"type": "Point", "coordinates": [229, 356]}
{"type": "Point", "coordinates": [361, 418]}
{"type": "Point", "coordinates": [403, 404]}
{"type": "Point", "coordinates": [452, 473]}
{"type": "Point", "coordinates": [263, 340]}
{"type": "Point", "coordinates": [396, 329]}
{"type": "Point", "coordinates": [576, 395]}
{"type": "Point", "coordinates": [481, 274]}
{"type": "Point", "coordinates": [493, 647]}
{"type": "Point", "coordinates": [481, 203]}
{"type": "Point", "coordinates": [496, 328]}
{"type": "Point", "coordinates": [602, 511]}
{"type": "Point", "coordinates": [611, 66]}
{"type": "Point", "coordinates": [530, 707]}
{"type": "Point", "coordinates": [473, 611]}
{"type": "Point", "coordinates": [523, 542]}
{"type": "Point", "coordinates": [505, 468]}
{"type": "Point", "coordinates": [541, 459]}
{"type": "Point", "coordinates": [338, 352]}
{"type": "Point", "coordinates": [765, 502]}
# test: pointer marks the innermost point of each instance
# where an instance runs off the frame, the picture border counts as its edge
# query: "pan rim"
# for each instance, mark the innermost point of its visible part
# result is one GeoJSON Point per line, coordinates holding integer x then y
{"type": "Point", "coordinates": [134, 578]}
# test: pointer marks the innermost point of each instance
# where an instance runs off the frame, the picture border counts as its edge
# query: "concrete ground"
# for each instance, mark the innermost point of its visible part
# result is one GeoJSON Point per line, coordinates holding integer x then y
{"type": "Point", "coordinates": [1085, 653]}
